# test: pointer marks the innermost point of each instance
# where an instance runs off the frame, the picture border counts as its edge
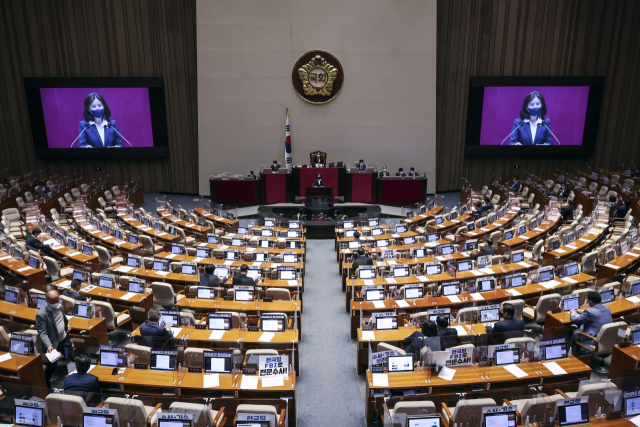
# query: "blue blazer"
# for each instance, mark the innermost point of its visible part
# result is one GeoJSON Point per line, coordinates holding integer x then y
{"type": "Point", "coordinates": [154, 335]}
{"type": "Point", "coordinates": [592, 319]}
{"type": "Point", "coordinates": [82, 382]}
{"type": "Point", "coordinates": [523, 134]}
{"type": "Point", "coordinates": [91, 137]}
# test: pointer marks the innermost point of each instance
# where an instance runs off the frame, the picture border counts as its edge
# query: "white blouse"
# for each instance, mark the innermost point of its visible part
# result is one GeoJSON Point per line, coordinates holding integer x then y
{"type": "Point", "coordinates": [534, 128]}
{"type": "Point", "coordinates": [100, 128]}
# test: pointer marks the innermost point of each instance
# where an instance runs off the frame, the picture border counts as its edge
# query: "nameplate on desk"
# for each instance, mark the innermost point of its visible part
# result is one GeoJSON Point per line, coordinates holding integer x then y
{"type": "Point", "coordinates": [139, 366]}
{"type": "Point", "coordinates": [358, 299]}
{"type": "Point", "coordinates": [201, 326]}
{"type": "Point", "coordinates": [196, 370]}
{"type": "Point", "coordinates": [367, 328]}
{"type": "Point", "coordinates": [228, 298]}
{"type": "Point", "coordinates": [253, 329]}
{"type": "Point", "coordinates": [246, 371]}
{"type": "Point", "coordinates": [190, 295]}
{"type": "Point", "coordinates": [377, 370]}
{"type": "Point", "coordinates": [267, 299]}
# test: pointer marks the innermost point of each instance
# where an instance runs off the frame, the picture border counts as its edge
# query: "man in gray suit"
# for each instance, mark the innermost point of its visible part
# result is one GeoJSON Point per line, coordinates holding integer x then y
{"type": "Point", "coordinates": [52, 326]}
{"type": "Point", "coordinates": [592, 319]}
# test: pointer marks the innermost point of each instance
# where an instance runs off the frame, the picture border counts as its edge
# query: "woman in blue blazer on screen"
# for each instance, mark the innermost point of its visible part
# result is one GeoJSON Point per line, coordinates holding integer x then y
{"type": "Point", "coordinates": [532, 128]}
{"type": "Point", "coordinates": [96, 130]}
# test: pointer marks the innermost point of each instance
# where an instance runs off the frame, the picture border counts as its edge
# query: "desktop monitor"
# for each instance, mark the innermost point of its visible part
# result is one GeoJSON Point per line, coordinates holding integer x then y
{"type": "Point", "coordinates": [354, 244]}
{"type": "Point", "coordinates": [401, 228]}
{"type": "Point", "coordinates": [72, 243]}
{"type": "Point", "coordinates": [106, 282]}
{"type": "Point", "coordinates": [500, 419]}
{"type": "Point", "coordinates": [289, 258]}
{"type": "Point", "coordinates": [516, 280]}
{"type": "Point", "coordinates": [517, 256]}
{"type": "Point", "coordinates": [465, 265]}
{"type": "Point", "coordinates": [506, 356]}
{"type": "Point", "coordinates": [432, 237]}
{"type": "Point", "coordinates": [294, 244]}
{"type": "Point", "coordinates": [401, 271]}
{"type": "Point", "coordinates": [569, 238]}
{"type": "Point", "coordinates": [172, 230]}
{"type": "Point", "coordinates": [87, 249]}
{"type": "Point", "coordinates": [546, 275]}
{"type": "Point", "coordinates": [231, 255]}
{"type": "Point", "coordinates": [37, 299]}
{"type": "Point", "coordinates": [489, 314]}
{"type": "Point", "coordinates": [169, 317]}
{"type": "Point", "coordinates": [134, 261]}
{"type": "Point", "coordinates": [555, 244]}
{"type": "Point", "coordinates": [508, 234]}
{"type": "Point", "coordinates": [160, 264]}
{"type": "Point", "coordinates": [554, 351]}
{"type": "Point", "coordinates": [221, 271]}
{"type": "Point", "coordinates": [471, 245]}
{"type": "Point", "coordinates": [570, 269]}
{"type": "Point", "coordinates": [20, 346]}
{"type": "Point", "coordinates": [99, 420]}
{"type": "Point", "coordinates": [243, 294]}
{"type": "Point", "coordinates": [272, 323]}
{"type": "Point", "coordinates": [432, 268]}
{"type": "Point", "coordinates": [631, 403]}
{"type": "Point", "coordinates": [377, 231]}
{"type": "Point", "coordinates": [382, 243]}
{"type": "Point", "coordinates": [266, 244]}
{"type": "Point", "coordinates": [134, 238]}
{"type": "Point", "coordinates": [218, 321]}
{"type": "Point", "coordinates": [522, 229]}
{"type": "Point", "coordinates": [82, 309]}
{"type": "Point", "coordinates": [373, 222]}
{"type": "Point", "coordinates": [349, 233]}
{"type": "Point", "coordinates": [266, 232]}
{"type": "Point", "coordinates": [242, 230]}
{"type": "Point", "coordinates": [409, 240]}
{"type": "Point", "coordinates": [414, 293]}
{"type": "Point", "coordinates": [607, 296]}
{"type": "Point", "coordinates": [205, 293]}
{"type": "Point", "coordinates": [424, 421]}
{"type": "Point", "coordinates": [112, 356]}
{"type": "Point", "coordinates": [450, 289]}
{"type": "Point", "coordinates": [237, 241]}
{"type": "Point", "coordinates": [217, 363]}
{"type": "Point", "coordinates": [203, 252]}
{"type": "Point", "coordinates": [471, 226]}
{"type": "Point", "coordinates": [374, 295]}
{"type": "Point", "coordinates": [400, 363]}
{"type": "Point", "coordinates": [212, 239]}
{"type": "Point", "coordinates": [286, 273]}
{"type": "Point", "coordinates": [294, 225]}
{"type": "Point", "coordinates": [571, 303]}
{"type": "Point", "coordinates": [163, 360]}
{"type": "Point", "coordinates": [137, 286]}
{"type": "Point", "coordinates": [419, 253]}
{"type": "Point", "coordinates": [386, 323]}
{"type": "Point", "coordinates": [485, 285]}
{"type": "Point", "coordinates": [575, 414]}
{"type": "Point", "coordinates": [59, 237]}
{"type": "Point", "coordinates": [293, 233]}
{"type": "Point", "coordinates": [34, 262]}
{"type": "Point", "coordinates": [269, 222]}
{"type": "Point", "coordinates": [366, 272]}
{"type": "Point", "coordinates": [447, 249]}
{"type": "Point", "coordinates": [254, 272]}
{"type": "Point", "coordinates": [178, 249]}
{"type": "Point", "coordinates": [190, 268]}
{"type": "Point", "coordinates": [28, 415]}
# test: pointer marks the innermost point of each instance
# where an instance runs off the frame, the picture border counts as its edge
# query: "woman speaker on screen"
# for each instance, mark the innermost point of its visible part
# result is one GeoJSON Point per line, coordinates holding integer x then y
{"type": "Point", "coordinates": [96, 130]}
{"type": "Point", "coordinates": [532, 128]}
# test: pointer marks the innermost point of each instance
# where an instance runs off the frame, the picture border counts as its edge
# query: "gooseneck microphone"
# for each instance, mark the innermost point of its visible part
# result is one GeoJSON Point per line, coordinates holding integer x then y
{"type": "Point", "coordinates": [545, 125]}
{"type": "Point", "coordinates": [109, 125]}
{"type": "Point", "coordinates": [517, 127]}
{"type": "Point", "coordinates": [86, 126]}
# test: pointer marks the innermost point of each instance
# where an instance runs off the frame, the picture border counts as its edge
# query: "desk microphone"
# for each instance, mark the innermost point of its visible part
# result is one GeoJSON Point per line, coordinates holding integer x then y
{"type": "Point", "coordinates": [109, 125]}
{"type": "Point", "coordinates": [545, 125]}
{"type": "Point", "coordinates": [86, 126]}
{"type": "Point", "coordinates": [517, 127]}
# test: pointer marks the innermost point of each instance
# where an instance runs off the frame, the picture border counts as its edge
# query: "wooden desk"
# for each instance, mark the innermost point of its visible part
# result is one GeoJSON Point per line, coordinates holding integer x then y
{"type": "Point", "coordinates": [218, 220]}
{"type": "Point", "coordinates": [362, 229]}
{"type": "Point", "coordinates": [189, 227]}
{"type": "Point", "coordinates": [627, 261]}
{"type": "Point", "coordinates": [582, 245]}
{"type": "Point", "coordinates": [22, 271]}
{"type": "Point", "coordinates": [96, 328]}
{"type": "Point", "coordinates": [27, 369]}
{"type": "Point", "coordinates": [71, 256]}
{"type": "Point", "coordinates": [113, 296]}
{"type": "Point", "coordinates": [421, 219]}
{"type": "Point", "coordinates": [144, 229]}
{"type": "Point", "coordinates": [277, 251]}
{"type": "Point", "coordinates": [483, 232]}
{"type": "Point", "coordinates": [105, 239]}
{"type": "Point", "coordinates": [625, 362]}
{"type": "Point", "coordinates": [448, 225]}
{"type": "Point", "coordinates": [494, 378]}
{"type": "Point", "coordinates": [531, 236]}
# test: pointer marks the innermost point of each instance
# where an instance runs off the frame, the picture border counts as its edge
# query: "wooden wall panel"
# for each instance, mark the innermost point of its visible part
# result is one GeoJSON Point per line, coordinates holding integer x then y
{"type": "Point", "coordinates": [137, 38]}
{"type": "Point", "coordinates": [537, 38]}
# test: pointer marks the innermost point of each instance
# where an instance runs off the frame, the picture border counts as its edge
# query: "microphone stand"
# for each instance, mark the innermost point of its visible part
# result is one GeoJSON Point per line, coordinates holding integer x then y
{"type": "Point", "coordinates": [80, 134]}
{"type": "Point", "coordinates": [116, 130]}
{"type": "Point", "coordinates": [518, 127]}
{"type": "Point", "coordinates": [545, 125]}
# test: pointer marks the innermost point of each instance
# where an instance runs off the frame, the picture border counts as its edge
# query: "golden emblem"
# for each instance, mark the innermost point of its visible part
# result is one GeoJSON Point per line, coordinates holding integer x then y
{"type": "Point", "coordinates": [317, 77]}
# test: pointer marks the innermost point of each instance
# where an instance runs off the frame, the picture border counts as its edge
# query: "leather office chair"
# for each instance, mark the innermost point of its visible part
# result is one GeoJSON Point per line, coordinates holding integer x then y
{"type": "Point", "coordinates": [315, 153]}
{"type": "Point", "coordinates": [609, 335]}
{"type": "Point", "coordinates": [194, 357]}
{"type": "Point", "coordinates": [542, 408]}
{"type": "Point", "coordinates": [466, 411]}
{"type": "Point", "coordinates": [106, 259]}
{"type": "Point", "coordinates": [203, 413]}
{"type": "Point", "coordinates": [383, 346]}
{"type": "Point", "coordinates": [68, 304]}
{"type": "Point", "coordinates": [114, 320]}
{"type": "Point", "coordinates": [149, 247]}
{"type": "Point", "coordinates": [164, 296]}
{"type": "Point", "coordinates": [523, 343]}
{"type": "Point", "coordinates": [66, 406]}
{"type": "Point", "coordinates": [134, 411]}
{"type": "Point", "coordinates": [270, 412]}
{"type": "Point", "coordinates": [63, 206]}
{"type": "Point", "coordinates": [183, 237]}
{"type": "Point", "coordinates": [279, 294]}
{"type": "Point", "coordinates": [599, 392]}
{"type": "Point", "coordinates": [55, 269]}
{"type": "Point", "coordinates": [589, 262]}
{"type": "Point", "coordinates": [467, 315]}
{"type": "Point", "coordinates": [251, 357]}
{"type": "Point", "coordinates": [536, 251]}
{"type": "Point", "coordinates": [545, 304]}
{"type": "Point", "coordinates": [237, 319]}
{"type": "Point", "coordinates": [417, 407]}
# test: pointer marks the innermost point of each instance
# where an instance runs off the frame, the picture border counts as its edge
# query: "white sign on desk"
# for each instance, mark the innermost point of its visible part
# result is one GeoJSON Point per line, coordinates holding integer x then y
{"type": "Point", "coordinates": [273, 366]}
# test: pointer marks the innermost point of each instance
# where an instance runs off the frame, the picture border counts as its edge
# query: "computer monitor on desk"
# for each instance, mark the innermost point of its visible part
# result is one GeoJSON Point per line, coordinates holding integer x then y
{"type": "Point", "coordinates": [99, 419]}
{"type": "Point", "coordinates": [424, 421]}
{"type": "Point", "coordinates": [400, 363]}
{"type": "Point", "coordinates": [373, 222]}
{"type": "Point", "coordinates": [571, 303]}
{"type": "Point", "coordinates": [507, 356]}
{"type": "Point", "coordinates": [500, 419]}
{"type": "Point", "coordinates": [163, 360]}
{"type": "Point", "coordinates": [573, 414]}
{"type": "Point", "coordinates": [419, 253]}
{"type": "Point", "coordinates": [221, 271]}
{"type": "Point", "coordinates": [374, 294]}
{"type": "Point", "coordinates": [432, 268]}
{"type": "Point", "coordinates": [219, 321]}
{"type": "Point", "coordinates": [203, 252]}
{"type": "Point", "coordinates": [254, 272]}
{"type": "Point", "coordinates": [366, 272]}
{"type": "Point", "coordinates": [28, 414]}
{"type": "Point", "coordinates": [294, 244]}
{"type": "Point", "coordinates": [217, 362]}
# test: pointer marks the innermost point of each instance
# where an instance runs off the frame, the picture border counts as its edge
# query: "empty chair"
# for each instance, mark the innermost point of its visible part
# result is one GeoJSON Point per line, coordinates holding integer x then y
{"type": "Point", "coordinates": [149, 247]}
{"type": "Point", "coordinates": [251, 356]}
{"type": "Point", "coordinates": [466, 411]}
{"type": "Point", "coordinates": [183, 236]}
{"type": "Point", "coordinates": [116, 191]}
{"type": "Point", "coordinates": [164, 296]}
{"type": "Point", "coordinates": [201, 412]}
{"type": "Point", "coordinates": [536, 251]}
{"type": "Point", "coordinates": [105, 258]}
{"type": "Point", "coordinates": [539, 407]}
{"type": "Point", "coordinates": [270, 412]}
{"type": "Point", "coordinates": [134, 411]}
{"type": "Point", "coordinates": [279, 294]}
{"type": "Point", "coordinates": [610, 334]}
{"type": "Point", "coordinates": [68, 407]}
{"type": "Point", "coordinates": [63, 206]}
{"type": "Point", "coordinates": [55, 269]}
{"type": "Point", "coordinates": [76, 193]}
{"type": "Point", "coordinates": [467, 315]}
{"type": "Point", "coordinates": [545, 304]}
{"type": "Point", "coordinates": [68, 303]}
{"type": "Point", "coordinates": [383, 346]}
{"type": "Point", "coordinates": [114, 320]}
{"type": "Point", "coordinates": [104, 206]}
{"type": "Point", "coordinates": [419, 407]}
{"type": "Point", "coordinates": [142, 353]}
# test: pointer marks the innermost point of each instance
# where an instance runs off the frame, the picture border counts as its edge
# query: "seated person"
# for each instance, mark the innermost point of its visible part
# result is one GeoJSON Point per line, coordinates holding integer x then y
{"type": "Point", "coordinates": [448, 336]}
{"type": "Point", "coordinates": [401, 172]}
{"type": "Point", "coordinates": [361, 166]}
{"type": "Point", "coordinates": [242, 279]}
{"type": "Point", "coordinates": [383, 172]}
{"type": "Point", "coordinates": [592, 319]}
{"type": "Point", "coordinates": [485, 208]}
{"type": "Point", "coordinates": [41, 191]}
{"type": "Point", "coordinates": [621, 211]}
{"type": "Point", "coordinates": [516, 184]}
{"type": "Point", "coordinates": [413, 173]}
{"type": "Point", "coordinates": [487, 250]}
{"type": "Point", "coordinates": [361, 259]}
{"type": "Point", "coordinates": [318, 183]}
{"type": "Point", "coordinates": [509, 324]}
{"type": "Point", "coordinates": [274, 166]}
{"type": "Point", "coordinates": [414, 342]}
{"type": "Point", "coordinates": [32, 240]}
{"type": "Point", "coordinates": [567, 213]}
{"type": "Point", "coordinates": [317, 160]}
{"type": "Point", "coordinates": [208, 279]}
{"type": "Point", "coordinates": [251, 175]}
{"type": "Point", "coordinates": [153, 335]}
{"type": "Point", "coordinates": [74, 291]}
{"type": "Point", "coordinates": [613, 206]}
{"type": "Point", "coordinates": [81, 382]}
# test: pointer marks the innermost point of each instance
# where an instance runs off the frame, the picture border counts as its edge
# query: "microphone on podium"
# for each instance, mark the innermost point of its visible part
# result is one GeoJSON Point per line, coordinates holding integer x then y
{"type": "Point", "coordinates": [109, 125]}
{"type": "Point", "coordinates": [86, 126]}
{"type": "Point", "coordinates": [517, 127]}
{"type": "Point", "coordinates": [552, 133]}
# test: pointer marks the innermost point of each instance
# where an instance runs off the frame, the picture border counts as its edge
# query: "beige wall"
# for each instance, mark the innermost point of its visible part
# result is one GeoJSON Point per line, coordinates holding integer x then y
{"type": "Point", "coordinates": [385, 113]}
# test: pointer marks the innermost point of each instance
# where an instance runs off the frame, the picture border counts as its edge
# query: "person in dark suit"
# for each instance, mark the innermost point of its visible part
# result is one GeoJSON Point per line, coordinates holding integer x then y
{"type": "Point", "coordinates": [318, 183]}
{"type": "Point", "coordinates": [33, 242]}
{"type": "Point", "coordinates": [42, 190]}
{"type": "Point", "coordinates": [592, 319]}
{"type": "Point", "coordinates": [274, 166]}
{"type": "Point", "coordinates": [413, 173]}
{"type": "Point", "coordinates": [242, 279]}
{"type": "Point", "coordinates": [317, 160]}
{"type": "Point", "coordinates": [383, 172]}
{"type": "Point", "coordinates": [81, 381]}
{"type": "Point", "coordinates": [565, 192]}
{"type": "Point", "coordinates": [613, 205]}
{"type": "Point", "coordinates": [567, 213]}
{"type": "Point", "coordinates": [96, 130]}
{"type": "Point", "coordinates": [489, 249]}
{"type": "Point", "coordinates": [509, 324]}
{"type": "Point", "coordinates": [251, 175]}
{"type": "Point", "coordinates": [516, 184]}
{"type": "Point", "coordinates": [53, 327]}
{"type": "Point", "coordinates": [636, 174]}
{"type": "Point", "coordinates": [485, 208]}
{"type": "Point", "coordinates": [621, 211]}
{"type": "Point", "coordinates": [208, 279]}
{"type": "Point", "coordinates": [361, 166]}
{"type": "Point", "coordinates": [448, 336]}
{"type": "Point", "coordinates": [153, 335]}
{"type": "Point", "coordinates": [532, 128]}
{"type": "Point", "coordinates": [361, 259]}
{"type": "Point", "coordinates": [401, 172]}
{"type": "Point", "coordinates": [74, 291]}
{"type": "Point", "coordinates": [414, 342]}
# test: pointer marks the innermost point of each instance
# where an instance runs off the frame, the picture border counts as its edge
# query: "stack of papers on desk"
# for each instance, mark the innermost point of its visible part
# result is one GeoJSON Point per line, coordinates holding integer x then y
{"type": "Point", "coordinates": [292, 282]}
{"type": "Point", "coordinates": [475, 272]}
{"type": "Point", "coordinates": [272, 382]}
{"type": "Point", "coordinates": [216, 335]}
{"type": "Point", "coordinates": [461, 330]}
{"type": "Point", "coordinates": [368, 336]}
{"type": "Point", "coordinates": [615, 267]}
{"type": "Point", "coordinates": [515, 371]}
{"type": "Point", "coordinates": [120, 242]}
{"type": "Point", "coordinates": [477, 297]}
{"type": "Point", "coordinates": [266, 337]}
{"type": "Point", "coordinates": [391, 280]}
{"type": "Point", "coordinates": [5, 357]}
{"type": "Point", "coordinates": [23, 269]}
{"type": "Point", "coordinates": [210, 380]}
{"type": "Point", "coordinates": [379, 304]}
{"type": "Point", "coordinates": [402, 303]}
{"type": "Point", "coordinates": [66, 284]}
{"type": "Point", "coordinates": [391, 262]}
{"type": "Point", "coordinates": [569, 280]}
{"type": "Point", "coordinates": [513, 292]}
{"type": "Point", "coordinates": [124, 269]}
{"type": "Point", "coordinates": [634, 300]}
{"type": "Point", "coordinates": [395, 235]}
{"type": "Point", "coordinates": [162, 273]}
{"type": "Point", "coordinates": [447, 373]}
{"type": "Point", "coordinates": [249, 383]}
{"type": "Point", "coordinates": [441, 258]}
{"type": "Point", "coordinates": [585, 240]}
{"type": "Point", "coordinates": [5, 257]}
{"type": "Point", "coordinates": [555, 368]}
{"type": "Point", "coordinates": [454, 298]}
{"type": "Point", "coordinates": [550, 284]}
{"type": "Point", "coordinates": [524, 264]}
{"type": "Point", "coordinates": [560, 251]}
{"type": "Point", "coordinates": [423, 278]}
{"type": "Point", "coordinates": [380, 380]}
{"type": "Point", "coordinates": [128, 296]}
{"type": "Point", "coordinates": [379, 263]}
{"type": "Point", "coordinates": [572, 247]}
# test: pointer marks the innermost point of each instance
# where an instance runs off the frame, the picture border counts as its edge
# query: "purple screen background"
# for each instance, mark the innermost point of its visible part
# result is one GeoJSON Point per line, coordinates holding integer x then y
{"type": "Point", "coordinates": [129, 107]}
{"type": "Point", "coordinates": [566, 109]}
